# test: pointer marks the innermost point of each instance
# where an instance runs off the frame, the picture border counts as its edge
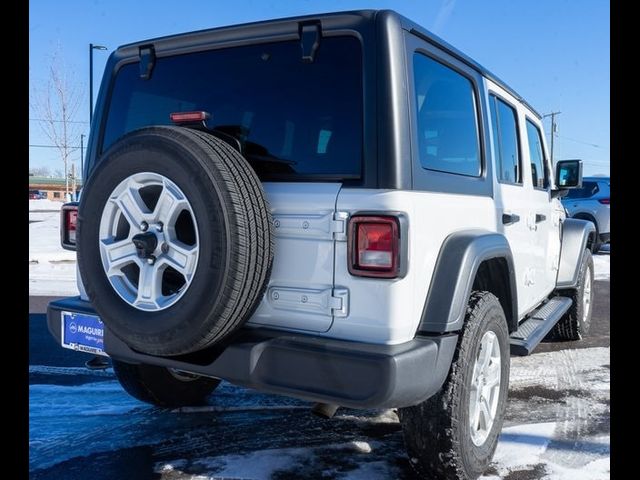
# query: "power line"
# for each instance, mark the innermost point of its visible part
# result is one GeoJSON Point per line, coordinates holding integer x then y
{"type": "Point", "coordinates": [52, 146]}
{"type": "Point", "coordinates": [56, 121]}
{"type": "Point", "coordinates": [598, 162]}
{"type": "Point", "coordinates": [583, 143]}
{"type": "Point", "coordinates": [580, 141]}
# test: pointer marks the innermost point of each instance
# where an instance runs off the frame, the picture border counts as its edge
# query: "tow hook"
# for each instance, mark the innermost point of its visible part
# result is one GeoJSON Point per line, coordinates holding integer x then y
{"type": "Point", "coordinates": [97, 363]}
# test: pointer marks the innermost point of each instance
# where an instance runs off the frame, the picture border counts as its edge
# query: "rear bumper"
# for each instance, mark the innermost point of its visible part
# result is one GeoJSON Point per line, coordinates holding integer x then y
{"type": "Point", "coordinates": [349, 374]}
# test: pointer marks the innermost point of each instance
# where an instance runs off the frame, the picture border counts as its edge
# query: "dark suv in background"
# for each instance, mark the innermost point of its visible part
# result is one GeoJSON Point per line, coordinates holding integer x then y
{"type": "Point", "coordinates": [591, 202]}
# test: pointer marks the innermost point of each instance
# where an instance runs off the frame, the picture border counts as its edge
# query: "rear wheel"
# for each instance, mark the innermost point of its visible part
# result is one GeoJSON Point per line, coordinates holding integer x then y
{"type": "Point", "coordinates": [163, 387]}
{"type": "Point", "coordinates": [454, 434]}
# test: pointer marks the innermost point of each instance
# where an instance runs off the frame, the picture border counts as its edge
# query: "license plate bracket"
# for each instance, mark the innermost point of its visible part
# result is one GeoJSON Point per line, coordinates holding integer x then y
{"type": "Point", "coordinates": [82, 332]}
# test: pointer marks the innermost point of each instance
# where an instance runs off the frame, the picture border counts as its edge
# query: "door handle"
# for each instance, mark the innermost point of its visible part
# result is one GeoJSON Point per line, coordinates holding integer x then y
{"type": "Point", "coordinates": [540, 217]}
{"type": "Point", "coordinates": [510, 218]}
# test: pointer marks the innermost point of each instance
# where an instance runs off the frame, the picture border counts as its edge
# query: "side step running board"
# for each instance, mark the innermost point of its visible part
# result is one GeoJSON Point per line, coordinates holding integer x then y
{"type": "Point", "coordinates": [531, 332]}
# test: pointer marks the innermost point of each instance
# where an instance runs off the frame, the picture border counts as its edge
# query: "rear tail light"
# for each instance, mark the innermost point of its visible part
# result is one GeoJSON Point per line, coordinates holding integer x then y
{"type": "Point", "coordinates": [604, 201]}
{"type": "Point", "coordinates": [69, 225]}
{"type": "Point", "coordinates": [374, 244]}
{"type": "Point", "coordinates": [189, 117]}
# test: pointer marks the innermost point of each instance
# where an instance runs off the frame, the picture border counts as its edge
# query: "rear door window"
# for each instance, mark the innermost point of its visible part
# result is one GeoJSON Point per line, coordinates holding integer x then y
{"type": "Point", "coordinates": [448, 138]}
{"type": "Point", "coordinates": [539, 173]}
{"type": "Point", "coordinates": [294, 119]}
{"type": "Point", "coordinates": [506, 142]}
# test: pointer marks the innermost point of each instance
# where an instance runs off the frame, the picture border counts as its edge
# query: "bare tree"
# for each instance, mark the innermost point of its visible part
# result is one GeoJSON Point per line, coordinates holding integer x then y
{"type": "Point", "coordinates": [40, 172]}
{"type": "Point", "coordinates": [56, 104]}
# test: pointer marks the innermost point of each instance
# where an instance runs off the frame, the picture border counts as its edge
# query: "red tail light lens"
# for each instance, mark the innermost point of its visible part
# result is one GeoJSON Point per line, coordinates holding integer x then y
{"type": "Point", "coordinates": [604, 201]}
{"type": "Point", "coordinates": [188, 117]}
{"type": "Point", "coordinates": [374, 246]}
{"type": "Point", "coordinates": [72, 221]}
{"type": "Point", "coordinates": [69, 225]}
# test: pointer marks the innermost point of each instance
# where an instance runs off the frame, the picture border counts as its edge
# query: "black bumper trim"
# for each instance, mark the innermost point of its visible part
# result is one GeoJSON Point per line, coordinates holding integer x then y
{"type": "Point", "coordinates": [350, 374]}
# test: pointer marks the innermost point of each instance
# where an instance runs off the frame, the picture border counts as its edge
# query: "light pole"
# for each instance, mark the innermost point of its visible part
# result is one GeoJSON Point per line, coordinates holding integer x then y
{"type": "Point", "coordinates": [92, 47]}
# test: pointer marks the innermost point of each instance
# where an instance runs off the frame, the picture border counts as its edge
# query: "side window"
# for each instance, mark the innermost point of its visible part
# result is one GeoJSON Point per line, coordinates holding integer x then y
{"type": "Point", "coordinates": [539, 173]}
{"type": "Point", "coordinates": [448, 139]}
{"type": "Point", "coordinates": [506, 143]}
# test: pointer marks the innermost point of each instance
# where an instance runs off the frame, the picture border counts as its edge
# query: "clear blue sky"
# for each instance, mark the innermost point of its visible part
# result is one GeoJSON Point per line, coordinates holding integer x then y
{"type": "Point", "coordinates": [555, 53]}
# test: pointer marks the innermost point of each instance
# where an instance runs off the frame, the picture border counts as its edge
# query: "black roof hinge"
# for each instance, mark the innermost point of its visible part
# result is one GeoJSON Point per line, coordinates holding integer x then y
{"type": "Point", "coordinates": [310, 33]}
{"type": "Point", "coordinates": [147, 56]}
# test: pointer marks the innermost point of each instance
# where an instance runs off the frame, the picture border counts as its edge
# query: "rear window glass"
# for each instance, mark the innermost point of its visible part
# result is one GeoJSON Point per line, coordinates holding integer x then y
{"type": "Point", "coordinates": [588, 189]}
{"type": "Point", "coordinates": [293, 119]}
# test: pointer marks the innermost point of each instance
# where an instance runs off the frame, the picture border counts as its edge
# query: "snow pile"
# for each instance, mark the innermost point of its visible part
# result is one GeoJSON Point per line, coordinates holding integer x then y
{"type": "Point", "coordinates": [44, 205]}
{"type": "Point", "coordinates": [525, 448]}
{"type": "Point", "coordinates": [602, 266]}
{"type": "Point", "coordinates": [52, 270]}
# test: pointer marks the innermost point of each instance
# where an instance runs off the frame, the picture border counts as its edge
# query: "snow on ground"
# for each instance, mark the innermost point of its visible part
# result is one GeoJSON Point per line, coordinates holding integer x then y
{"type": "Point", "coordinates": [526, 448]}
{"type": "Point", "coordinates": [574, 445]}
{"type": "Point", "coordinates": [52, 269]}
{"type": "Point", "coordinates": [44, 205]}
{"type": "Point", "coordinates": [602, 263]}
{"type": "Point", "coordinates": [556, 428]}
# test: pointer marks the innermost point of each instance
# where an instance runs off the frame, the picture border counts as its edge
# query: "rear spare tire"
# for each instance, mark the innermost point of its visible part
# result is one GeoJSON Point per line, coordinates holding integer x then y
{"type": "Point", "coordinates": [174, 240]}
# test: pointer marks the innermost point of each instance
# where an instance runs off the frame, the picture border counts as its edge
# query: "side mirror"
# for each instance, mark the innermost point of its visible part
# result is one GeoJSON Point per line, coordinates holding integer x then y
{"type": "Point", "coordinates": [568, 176]}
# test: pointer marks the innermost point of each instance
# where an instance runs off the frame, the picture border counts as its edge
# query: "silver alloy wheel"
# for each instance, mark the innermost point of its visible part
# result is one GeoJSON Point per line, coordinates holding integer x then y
{"type": "Point", "coordinates": [485, 388]}
{"type": "Point", "coordinates": [586, 296]}
{"type": "Point", "coordinates": [149, 205]}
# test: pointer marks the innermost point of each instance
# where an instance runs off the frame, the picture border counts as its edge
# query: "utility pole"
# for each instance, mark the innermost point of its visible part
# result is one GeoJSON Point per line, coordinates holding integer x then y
{"type": "Point", "coordinates": [553, 129]}
{"type": "Point", "coordinates": [73, 181]}
{"type": "Point", "coordinates": [82, 156]}
{"type": "Point", "coordinates": [72, 176]}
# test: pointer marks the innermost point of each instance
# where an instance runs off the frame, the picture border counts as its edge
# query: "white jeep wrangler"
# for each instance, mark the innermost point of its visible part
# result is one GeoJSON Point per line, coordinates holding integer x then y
{"type": "Point", "coordinates": [341, 208]}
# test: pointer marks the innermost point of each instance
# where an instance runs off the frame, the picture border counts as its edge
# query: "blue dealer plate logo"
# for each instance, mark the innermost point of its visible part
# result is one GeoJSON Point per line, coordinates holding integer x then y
{"type": "Point", "coordinates": [83, 332]}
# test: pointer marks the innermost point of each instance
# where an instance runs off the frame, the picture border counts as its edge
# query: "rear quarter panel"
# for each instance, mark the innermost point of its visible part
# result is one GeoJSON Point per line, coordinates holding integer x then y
{"type": "Point", "coordinates": [389, 311]}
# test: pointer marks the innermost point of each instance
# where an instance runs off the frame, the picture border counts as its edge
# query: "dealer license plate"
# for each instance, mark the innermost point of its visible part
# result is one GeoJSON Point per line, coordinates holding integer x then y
{"type": "Point", "coordinates": [82, 332]}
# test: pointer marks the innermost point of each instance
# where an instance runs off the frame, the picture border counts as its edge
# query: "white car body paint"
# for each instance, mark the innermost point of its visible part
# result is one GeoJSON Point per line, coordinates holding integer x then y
{"type": "Point", "coordinates": [311, 289]}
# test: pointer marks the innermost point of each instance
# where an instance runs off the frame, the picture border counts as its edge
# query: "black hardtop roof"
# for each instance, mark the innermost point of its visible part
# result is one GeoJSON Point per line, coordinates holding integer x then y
{"type": "Point", "coordinates": [406, 23]}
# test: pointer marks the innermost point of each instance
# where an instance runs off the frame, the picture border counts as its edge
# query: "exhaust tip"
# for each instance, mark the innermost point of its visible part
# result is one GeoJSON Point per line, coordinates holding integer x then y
{"type": "Point", "coordinates": [324, 410]}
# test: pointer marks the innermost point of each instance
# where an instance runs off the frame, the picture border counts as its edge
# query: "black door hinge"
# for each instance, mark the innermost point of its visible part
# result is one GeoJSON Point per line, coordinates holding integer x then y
{"type": "Point", "coordinates": [310, 34]}
{"type": "Point", "coordinates": [147, 56]}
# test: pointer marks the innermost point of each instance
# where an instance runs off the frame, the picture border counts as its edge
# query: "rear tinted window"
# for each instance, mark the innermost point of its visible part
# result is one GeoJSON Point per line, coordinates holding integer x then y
{"type": "Point", "coordinates": [539, 174]}
{"type": "Point", "coordinates": [447, 119]}
{"type": "Point", "coordinates": [588, 189]}
{"type": "Point", "coordinates": [294, 119]}
{"type": "Point", "coordinates": [506, 141]}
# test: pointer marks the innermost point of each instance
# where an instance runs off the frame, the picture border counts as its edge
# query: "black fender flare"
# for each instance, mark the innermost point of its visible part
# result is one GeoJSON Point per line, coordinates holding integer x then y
{"type": "Point", "coordinates": [575, 237]}
{"type": "Point", "coordinates": [459, 259]}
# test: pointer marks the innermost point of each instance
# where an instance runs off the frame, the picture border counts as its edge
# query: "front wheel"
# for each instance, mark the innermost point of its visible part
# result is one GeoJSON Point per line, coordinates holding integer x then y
{"type": "Point", "coordinates": [574, 325]}
{"type": "Point", "coordinates": [163, 387]}
{"type": "Point", "coordinates": [454, 434]}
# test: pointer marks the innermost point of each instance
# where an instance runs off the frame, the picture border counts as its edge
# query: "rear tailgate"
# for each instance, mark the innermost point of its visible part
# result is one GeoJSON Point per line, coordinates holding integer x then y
{"type": "Point", "coordinates": [301, 293]}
